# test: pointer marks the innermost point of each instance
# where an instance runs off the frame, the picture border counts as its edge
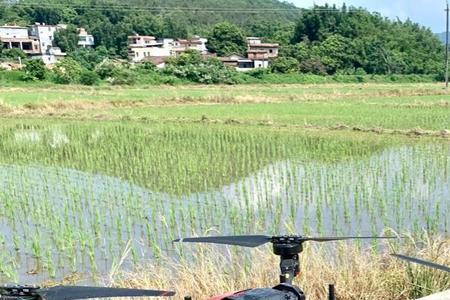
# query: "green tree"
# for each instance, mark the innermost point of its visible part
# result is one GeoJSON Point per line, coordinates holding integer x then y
{"type": "Point", "coordinates": [67, 39]}
{"type": "Point", "coordinates": [226, 39]}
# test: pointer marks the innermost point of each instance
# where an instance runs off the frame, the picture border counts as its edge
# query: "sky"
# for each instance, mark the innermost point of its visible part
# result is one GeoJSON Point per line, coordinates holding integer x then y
{"type": "Point", "coordinates": [429, 13]}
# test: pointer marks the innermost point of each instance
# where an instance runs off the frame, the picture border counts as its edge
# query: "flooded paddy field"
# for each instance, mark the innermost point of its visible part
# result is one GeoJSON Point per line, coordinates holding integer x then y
{"type": "Point", "coordinates": [75, 195]}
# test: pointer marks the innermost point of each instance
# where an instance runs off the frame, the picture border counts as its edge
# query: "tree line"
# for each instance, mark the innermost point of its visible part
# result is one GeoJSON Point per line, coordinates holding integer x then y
{"type": "Point", "coordinates": [326, 40]}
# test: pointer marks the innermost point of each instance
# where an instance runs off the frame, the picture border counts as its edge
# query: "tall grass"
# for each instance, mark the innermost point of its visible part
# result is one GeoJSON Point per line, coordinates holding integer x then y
{"type": "Point", "coordinates": [359, 273]}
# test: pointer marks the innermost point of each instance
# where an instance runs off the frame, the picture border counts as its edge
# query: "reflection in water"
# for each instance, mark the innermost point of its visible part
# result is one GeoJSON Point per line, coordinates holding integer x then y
{"type": "Point", "coordinates": [76, 221]}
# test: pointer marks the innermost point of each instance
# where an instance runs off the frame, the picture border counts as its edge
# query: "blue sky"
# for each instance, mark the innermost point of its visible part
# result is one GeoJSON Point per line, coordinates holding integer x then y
{"type": "Point", "coordinates": [429, 13]}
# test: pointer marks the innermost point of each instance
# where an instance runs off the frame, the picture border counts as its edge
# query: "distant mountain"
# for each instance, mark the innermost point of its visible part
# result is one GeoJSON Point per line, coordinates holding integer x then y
{"type": "Point", "coordinates": [441, 37]}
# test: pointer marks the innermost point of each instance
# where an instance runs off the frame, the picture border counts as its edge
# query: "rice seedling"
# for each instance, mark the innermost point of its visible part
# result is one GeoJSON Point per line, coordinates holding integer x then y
{"type": "Point", "coordinates": [108, 184]}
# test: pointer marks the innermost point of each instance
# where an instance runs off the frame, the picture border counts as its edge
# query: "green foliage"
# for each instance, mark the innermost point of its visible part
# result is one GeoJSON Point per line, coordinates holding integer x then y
{"type": "Point", "coordinates": [284, 65]}
{"type": "Point", "coordinates": [11, 54]}
{"type": "Point", "coordinates": [227, 39]}
{"type": "Point", "coordinates": [88, 77]}
{"type": "Point", "coordinates": [191, 66]}
{"type": "Point", "coordinates": [67, 39]}
{"type": "Point", "coordinates": [35, 70]}
{"type": "Point", "coordinates": [67, 71]}
{"type": "Point", "coordinates": [123, 76]}
{"type": "Point", "coordinates": [328, 42]}
{"type": "Point", "coordinates": [324, 42]}
{"type": "Point", "coordinates": [89, 58]}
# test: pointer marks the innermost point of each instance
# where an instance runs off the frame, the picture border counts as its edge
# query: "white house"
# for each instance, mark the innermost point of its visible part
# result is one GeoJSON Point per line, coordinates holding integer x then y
{"type": "Point", "coordinates": [85, 39]}
{"type": "Point", "coordinates": [140, 47]}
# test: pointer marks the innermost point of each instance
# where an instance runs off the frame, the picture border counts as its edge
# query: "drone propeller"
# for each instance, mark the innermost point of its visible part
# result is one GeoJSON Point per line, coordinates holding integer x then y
{"type": "Point", "coordinates": [76, 292]}
{"type": "Point", "coordinates": [253, 241]}
{"type": "Point", "coordinates": [422, 262]}
{"type": "Point", "coordinates": [287, 247]}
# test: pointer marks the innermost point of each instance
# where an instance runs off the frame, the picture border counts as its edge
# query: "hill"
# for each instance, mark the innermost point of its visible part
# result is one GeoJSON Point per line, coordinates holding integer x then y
{"type": "Point", "coordinates": [192, 14]}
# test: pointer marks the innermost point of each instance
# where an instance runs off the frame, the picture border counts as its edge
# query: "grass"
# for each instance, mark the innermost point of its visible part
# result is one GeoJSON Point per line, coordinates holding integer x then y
{"type": "Point", "coordinates": [358, 273]}
{"type": "Point", "coordinates": [360, 107]}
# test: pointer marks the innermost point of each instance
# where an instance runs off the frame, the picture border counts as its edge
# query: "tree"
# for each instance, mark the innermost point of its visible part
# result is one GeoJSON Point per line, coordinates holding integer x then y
{"type": "Point", "coordinates": [67, 39]}
{"type": "Point", "coordinates": [226, 39]}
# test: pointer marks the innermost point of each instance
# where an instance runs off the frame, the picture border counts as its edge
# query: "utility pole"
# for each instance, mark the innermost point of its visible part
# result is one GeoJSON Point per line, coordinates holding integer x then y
{"type": "Point", "coordinates": [446, 48]}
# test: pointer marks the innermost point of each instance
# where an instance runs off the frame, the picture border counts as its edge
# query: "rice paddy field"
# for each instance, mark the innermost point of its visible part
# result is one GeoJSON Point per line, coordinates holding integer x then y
{"type": "Point", "coordinates": [88, 174]}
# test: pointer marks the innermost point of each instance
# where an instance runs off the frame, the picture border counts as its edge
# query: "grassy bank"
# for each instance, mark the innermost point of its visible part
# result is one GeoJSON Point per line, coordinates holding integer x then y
{"type": "Point", "coordinates": [357, 272]}
{"type": "Point", "coordinates": [15, 78]}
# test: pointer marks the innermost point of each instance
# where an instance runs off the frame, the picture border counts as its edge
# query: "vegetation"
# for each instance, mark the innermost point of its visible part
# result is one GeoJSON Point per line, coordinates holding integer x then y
{"type": "Point", "coordinates": [323, 41]}
{"type": "Point", "coordinates": [314, 159]}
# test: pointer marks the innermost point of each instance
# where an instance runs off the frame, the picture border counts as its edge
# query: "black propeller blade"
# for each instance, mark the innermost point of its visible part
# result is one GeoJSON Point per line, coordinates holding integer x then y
{"type": "Point", "coordinates": [239, 240]}
{"type": "Point", "coordinates": [422, 262]}
{"type": "Point", "coordinates": [258, 240]}
{"type": "Point", "coordinates": [83, 292]}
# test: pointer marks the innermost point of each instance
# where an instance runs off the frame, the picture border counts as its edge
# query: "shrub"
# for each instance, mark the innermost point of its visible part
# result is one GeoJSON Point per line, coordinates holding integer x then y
{"type": "Point", "coordinates": [123, 76]}
{"type": "Point", "coordinates": [88, 77]}
{"type": "Point", "coordinates": [284, 65]}
{"type": "Point", "coordinates": [67, 71]}
{"type": "Point", "coordinates": [35, 70]}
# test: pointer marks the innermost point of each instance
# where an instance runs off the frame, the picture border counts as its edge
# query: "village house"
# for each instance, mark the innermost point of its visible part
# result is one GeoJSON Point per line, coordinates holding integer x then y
{"type": "Point", "coordinates": [255, 43]}
{"type": "Point", "coordinates": [141, 47]}
{"type": "Point", "coordinates": [258, 56]}
{"type": "Point", "coordinates": [12, 36]}
{"type": "Point", "coordinates": [85, 40]}
{"type": "Point", "coordinates": [148, 48]}
{"type": "Point", "coordinates": [45, 34]}
{"type": "Point", "coordinates": [38, 40]}
{"type": "Point", "coordinates": [196, 43]}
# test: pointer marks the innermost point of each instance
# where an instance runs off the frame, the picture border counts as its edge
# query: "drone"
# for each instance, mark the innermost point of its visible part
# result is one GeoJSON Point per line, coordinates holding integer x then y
{"type": "Point", "coordinates": [288, 248]}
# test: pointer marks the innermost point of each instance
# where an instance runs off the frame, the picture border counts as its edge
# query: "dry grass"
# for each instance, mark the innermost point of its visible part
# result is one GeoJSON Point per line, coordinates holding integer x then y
{"type": "Point", "coordinates": [358, 274]}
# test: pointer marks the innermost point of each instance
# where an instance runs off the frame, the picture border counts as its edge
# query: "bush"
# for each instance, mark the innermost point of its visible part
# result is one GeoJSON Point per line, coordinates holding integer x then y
{"type": "Point", "coordinates": [284, 65]}
{"type": "Point", "coordinates": [88, 77]}
{"type": "Point", "coordinates": [123, 76]}
{"type": "Point", "coordinates": [12, 54]}
{"type": "Point", "coordinates": [67, 71]}
{"type": "Point", "coordinates": [35, 70]}
{"type": "Point", "coordinates": [192, 67]}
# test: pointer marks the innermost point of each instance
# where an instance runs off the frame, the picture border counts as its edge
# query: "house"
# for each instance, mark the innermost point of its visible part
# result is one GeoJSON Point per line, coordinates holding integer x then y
{"type": "Point", "coordinates": [158, 61]}
{"type": "Point", "coordinates": [140, 47]}
{"type": "Point", "coordinates": [38, 40]}
{"type": "Point", "coordinates": [252, 61]}
{"type": "Point", "coordinates": [85, 40]}
{"type": "Point", "coordinates": [255, 43]}
{"type": "Point", "coordinates": [196, 43]}
{"type": "Point", "coordinates": [12, 36]}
